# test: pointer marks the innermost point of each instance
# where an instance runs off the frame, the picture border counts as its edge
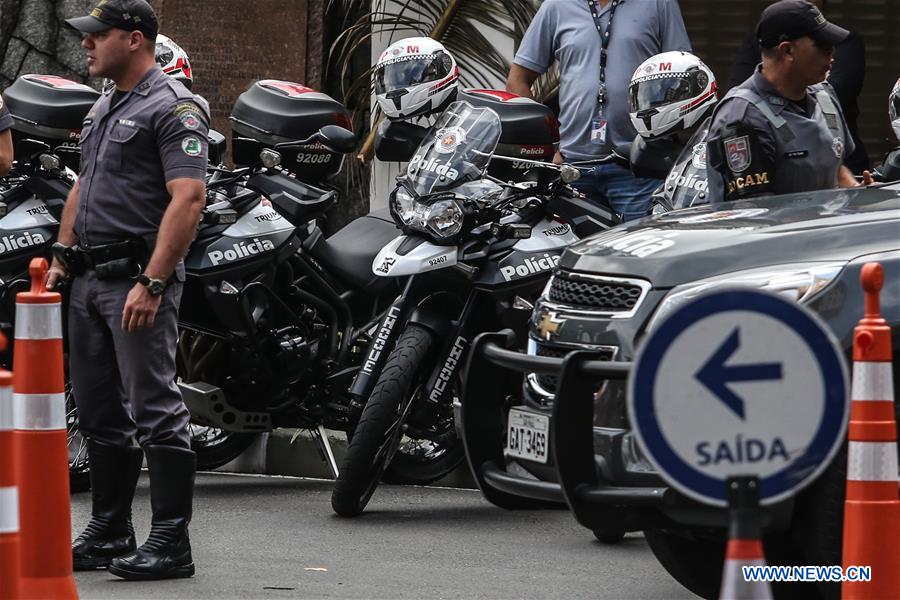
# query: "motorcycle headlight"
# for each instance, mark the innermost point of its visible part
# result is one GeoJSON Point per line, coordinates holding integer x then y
{"type": "Point", "coordinates": [404, 205]}
{"type": "Point", "coordinates": [796, 282]}
{"type": "Point", "coordinates": [444, 218]}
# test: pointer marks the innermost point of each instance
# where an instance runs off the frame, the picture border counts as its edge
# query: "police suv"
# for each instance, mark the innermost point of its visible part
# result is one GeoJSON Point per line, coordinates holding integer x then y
{"type": "Point", "coordinates": [607, 293]}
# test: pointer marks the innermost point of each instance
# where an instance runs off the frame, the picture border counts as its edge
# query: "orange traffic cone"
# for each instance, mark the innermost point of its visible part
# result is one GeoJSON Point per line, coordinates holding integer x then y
{"type": "Point", "coordinates": [872, 505]}
{"type": "Point", "coordinates": [9, 491]}
{"type": "Point", "coordinates": [745, 548]}
{"type": "Point", "coordinates": [42, 455]}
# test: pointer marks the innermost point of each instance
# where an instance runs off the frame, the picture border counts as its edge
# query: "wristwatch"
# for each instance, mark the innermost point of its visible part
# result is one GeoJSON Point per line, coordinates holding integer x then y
{"type": "Point", "coordinates": [156, 287]}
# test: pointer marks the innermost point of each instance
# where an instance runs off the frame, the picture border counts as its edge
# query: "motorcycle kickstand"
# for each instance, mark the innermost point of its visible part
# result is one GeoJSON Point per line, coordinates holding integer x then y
{"type": "Point", "coordinates": [324, 447]}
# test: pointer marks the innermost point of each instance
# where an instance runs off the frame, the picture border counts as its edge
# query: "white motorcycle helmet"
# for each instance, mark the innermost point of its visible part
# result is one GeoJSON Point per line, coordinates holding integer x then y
{"type": "Point", "coordinates": [171, 58]}
{"type": "Point", "coordinates": [414, 76]}
{"type": "Point", "coordinates": [670, 92]}
{"type": "Point", "coordinates": [894, 108]}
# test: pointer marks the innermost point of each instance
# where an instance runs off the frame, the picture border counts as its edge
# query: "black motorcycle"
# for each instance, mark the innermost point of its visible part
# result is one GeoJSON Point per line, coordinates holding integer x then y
{"type": "Point", "coordinates": [276, 318]}
{"type": "Point", "coordinates": [472, 248]}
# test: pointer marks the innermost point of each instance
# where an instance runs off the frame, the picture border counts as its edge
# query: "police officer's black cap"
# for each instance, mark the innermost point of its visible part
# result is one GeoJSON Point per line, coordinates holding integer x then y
{"type": "Point", "coordinates": [788, 20]}
{"type": "Point", "coordinates": [130, 15]}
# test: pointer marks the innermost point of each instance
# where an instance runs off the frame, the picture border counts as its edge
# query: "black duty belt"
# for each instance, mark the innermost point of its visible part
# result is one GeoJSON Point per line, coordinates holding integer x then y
{"type": "Point", "coordinates": [113, 260]}
{"type": "Point", "coordinates": [104, 253]}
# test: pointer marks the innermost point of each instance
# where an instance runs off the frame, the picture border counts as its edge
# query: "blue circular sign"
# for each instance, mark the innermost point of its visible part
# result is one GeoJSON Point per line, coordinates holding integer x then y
{"type": "Point", "coordinates": [739, 382]}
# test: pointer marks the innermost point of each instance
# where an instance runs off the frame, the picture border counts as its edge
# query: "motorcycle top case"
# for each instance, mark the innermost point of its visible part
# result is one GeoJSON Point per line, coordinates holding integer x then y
{"type": "Point", "coordinates": [530, 130]}
{"type": "Point", "coordinates": [49, 109]}
{"type": "Point", "coordinates": [272, 112]}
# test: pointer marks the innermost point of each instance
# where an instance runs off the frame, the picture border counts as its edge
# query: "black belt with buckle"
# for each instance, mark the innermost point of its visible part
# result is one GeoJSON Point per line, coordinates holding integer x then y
{"type": "Point", "coordinates": [116, 259]}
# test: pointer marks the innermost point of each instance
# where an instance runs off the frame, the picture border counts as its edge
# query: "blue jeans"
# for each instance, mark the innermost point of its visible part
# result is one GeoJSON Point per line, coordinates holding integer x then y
{"type": "Point", "coordinates": [618, 187]}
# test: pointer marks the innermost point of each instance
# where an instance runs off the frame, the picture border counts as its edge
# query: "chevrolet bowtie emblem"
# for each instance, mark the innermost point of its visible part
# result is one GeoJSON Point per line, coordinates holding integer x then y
{"type": "Point", "coordinates": [550, 324]}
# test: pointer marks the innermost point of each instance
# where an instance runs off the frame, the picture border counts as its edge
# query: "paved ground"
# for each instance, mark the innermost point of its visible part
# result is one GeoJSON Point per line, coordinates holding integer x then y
{"type": "Point", "coordinates": [270, 537]}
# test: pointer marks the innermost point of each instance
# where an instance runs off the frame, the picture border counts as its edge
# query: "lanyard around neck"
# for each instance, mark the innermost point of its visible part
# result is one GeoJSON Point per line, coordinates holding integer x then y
{"type": "Point", "coordinates": [604, 38]}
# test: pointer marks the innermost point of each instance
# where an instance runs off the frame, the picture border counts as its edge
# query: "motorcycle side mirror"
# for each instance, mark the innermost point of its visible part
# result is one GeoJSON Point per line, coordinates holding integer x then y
{"type": "Point", "coordinates": [568, 173]}
{"type": "Point", "coordinates": [29, 148]}
{"type": "Point", "coordinates": [338, 139]}
{"type": "Point", "coordinates": [217, 147]}
{"type": "Point", "coordinates": [270, 158]}
{"type": "Point", "coordinates": [396, 141]}
{"type": "Point", "coordinates": [654, 158]}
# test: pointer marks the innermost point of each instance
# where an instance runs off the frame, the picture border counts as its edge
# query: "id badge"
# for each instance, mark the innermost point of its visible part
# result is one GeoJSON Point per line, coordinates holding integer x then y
{"type": "Point", "coordinates": [598, 127]}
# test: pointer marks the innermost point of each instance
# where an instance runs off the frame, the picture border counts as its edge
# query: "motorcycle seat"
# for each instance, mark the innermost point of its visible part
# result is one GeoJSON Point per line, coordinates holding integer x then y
{"type": "Point", "coordinates": [350, 251]}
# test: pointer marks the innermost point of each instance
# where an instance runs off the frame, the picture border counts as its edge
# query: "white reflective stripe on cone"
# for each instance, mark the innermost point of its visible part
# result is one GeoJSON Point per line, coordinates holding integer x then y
{"type": "Point", "coordinates": [872, 461]}
{"type": "Point", "coordinates": [38, 321]}
{"type": "Point", "coordinates": [39, 411]}
{"type": "Point", "coordinates": [735, 587]}
{"type": "Point", "coordinates": [9, 510]}
{"type": "Point", "coordinates": [872, 381]}
{"type": "Point", "coordinates": [7, 421]}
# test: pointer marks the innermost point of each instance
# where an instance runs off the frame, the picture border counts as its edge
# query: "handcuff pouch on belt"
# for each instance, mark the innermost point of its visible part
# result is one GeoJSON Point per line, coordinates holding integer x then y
{"type": "Point", "coordinates": [116, 260]}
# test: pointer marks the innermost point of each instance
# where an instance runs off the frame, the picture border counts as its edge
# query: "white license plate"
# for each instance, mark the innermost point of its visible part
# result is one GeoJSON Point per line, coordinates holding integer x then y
{"type": "Point", "coordinates": [527, 435]}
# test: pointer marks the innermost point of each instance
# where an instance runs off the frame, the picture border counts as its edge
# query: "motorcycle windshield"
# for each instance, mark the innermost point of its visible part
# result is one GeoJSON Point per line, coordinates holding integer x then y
{"type": "Point", "coordinates": [455, 150]}
{"type": "Point", "coordinates": [687, 183]}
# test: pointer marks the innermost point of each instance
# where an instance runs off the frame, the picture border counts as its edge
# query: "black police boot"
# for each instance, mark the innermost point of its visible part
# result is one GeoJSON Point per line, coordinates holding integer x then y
{"type": "Point", "coordinates": [167, 552]}
{"type": "Point", "coordinates": [114, 475]}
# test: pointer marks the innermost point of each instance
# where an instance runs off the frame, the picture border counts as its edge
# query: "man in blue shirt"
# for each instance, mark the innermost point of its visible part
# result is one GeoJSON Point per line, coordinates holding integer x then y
{"type": "Point", "coordinates": [593, 91]}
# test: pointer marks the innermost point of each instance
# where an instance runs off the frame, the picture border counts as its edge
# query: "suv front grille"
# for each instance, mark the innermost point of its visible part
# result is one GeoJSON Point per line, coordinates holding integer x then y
{"type": "Point", "coordinates": [594, 293]}
{"type": "Point", "coordinates": [549, 383]}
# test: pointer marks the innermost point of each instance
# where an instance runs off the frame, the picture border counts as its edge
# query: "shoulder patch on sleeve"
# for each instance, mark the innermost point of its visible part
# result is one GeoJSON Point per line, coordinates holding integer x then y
{"type": "Point", "coordinates": [737, 153]}
{"type": "Point", "coordinates": [191, 146]}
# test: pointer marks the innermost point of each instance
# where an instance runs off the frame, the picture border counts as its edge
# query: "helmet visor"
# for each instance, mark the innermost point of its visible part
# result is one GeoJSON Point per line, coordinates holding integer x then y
{"type": "Point", "coordinates": [407, 73]}
{"type": "Point", "coordinates": [665, 89]}
{"type": "Point", "coordinates": [164, 55]}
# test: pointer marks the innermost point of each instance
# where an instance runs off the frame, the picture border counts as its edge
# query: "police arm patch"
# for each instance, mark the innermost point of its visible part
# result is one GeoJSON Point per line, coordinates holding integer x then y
{"type": "Point", "coordinates": [190, 120]}
{"type": "Point", "coordinates": [191, 146]}
{"type": "Point", "coordinates": [737, 153]}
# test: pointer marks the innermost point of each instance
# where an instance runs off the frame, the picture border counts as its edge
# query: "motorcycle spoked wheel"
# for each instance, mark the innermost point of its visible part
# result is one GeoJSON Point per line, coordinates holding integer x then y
{"type": "Point", "coordinates": [216, 447]}
{"type": "Point", "coordinates": [420, 461]}
{"type": "Point", "coordinates": [379, 430]}
{"type": "Point", "coordinates": [79, 464]}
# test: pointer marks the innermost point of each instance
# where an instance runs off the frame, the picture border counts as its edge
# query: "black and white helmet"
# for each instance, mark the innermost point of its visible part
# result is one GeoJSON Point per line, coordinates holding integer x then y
{"type": "Point", "coordinates": [414, 76]}
{"type": "Point", "coordinates": [670, 92]}
{"type": "Point", "coordinates": [173, 60]}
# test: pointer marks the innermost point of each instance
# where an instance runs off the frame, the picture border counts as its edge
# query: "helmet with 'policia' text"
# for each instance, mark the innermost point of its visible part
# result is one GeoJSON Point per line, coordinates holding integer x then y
{"type": "Point", "coordinates": [670, 92]}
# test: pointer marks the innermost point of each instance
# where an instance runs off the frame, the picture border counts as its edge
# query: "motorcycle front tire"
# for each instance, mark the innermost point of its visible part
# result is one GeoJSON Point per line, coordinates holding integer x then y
{"type": "Point", "coordinates": [377, 433]}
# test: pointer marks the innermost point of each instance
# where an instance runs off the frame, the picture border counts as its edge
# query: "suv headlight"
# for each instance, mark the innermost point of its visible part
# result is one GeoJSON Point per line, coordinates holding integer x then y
{"type": "Point", "coordinates": [798, 282]}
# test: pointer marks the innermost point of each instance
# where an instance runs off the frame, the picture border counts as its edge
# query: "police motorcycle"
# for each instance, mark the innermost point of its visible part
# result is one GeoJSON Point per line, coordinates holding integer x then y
{"type": "Point", "coordinates": [670, 99]}
{"type": "Point", "coordinates": [47, 114]}
{"type": "Point", "coordinates": [276, 319]}
{"type": "Point", "coordinates": [472, 247]}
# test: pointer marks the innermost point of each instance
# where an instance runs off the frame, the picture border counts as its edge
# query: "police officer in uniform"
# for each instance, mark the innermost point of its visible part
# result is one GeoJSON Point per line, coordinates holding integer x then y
{"type": "Point", "coordinates": [6, 146]}
{"type": "Point", "coordinates": [782, 130]}
{"type": "Point", "coordinates": [126, 227]}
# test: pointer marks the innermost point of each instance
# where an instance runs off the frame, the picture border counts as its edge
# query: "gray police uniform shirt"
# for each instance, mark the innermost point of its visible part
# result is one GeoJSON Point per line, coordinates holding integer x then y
{"type": "Point", "coordinates": [762, 143]}
{"type": "Point", "coordinates": [155, 133]}
{"type": "Point", "coordinates": [564, 31]}
{"type": "Point", "coordinates": [6, 120]}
